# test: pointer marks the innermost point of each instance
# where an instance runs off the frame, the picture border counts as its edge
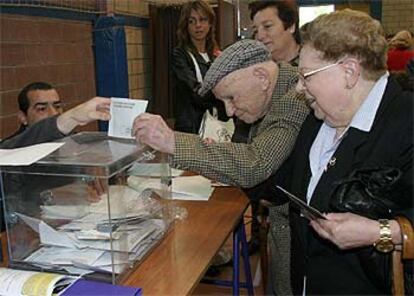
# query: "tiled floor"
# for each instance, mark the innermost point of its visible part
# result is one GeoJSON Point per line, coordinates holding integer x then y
{"type": "Point", "coordinates": [226, 273]}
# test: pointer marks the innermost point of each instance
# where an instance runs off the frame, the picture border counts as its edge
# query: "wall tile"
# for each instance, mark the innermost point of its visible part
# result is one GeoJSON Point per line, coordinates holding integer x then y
{"type": "Point", "coordinates": [8, 79]}
{"type": "Point", "coordinates": [8, 103]}
{"type": "Point", "coordinates": [12, 54]}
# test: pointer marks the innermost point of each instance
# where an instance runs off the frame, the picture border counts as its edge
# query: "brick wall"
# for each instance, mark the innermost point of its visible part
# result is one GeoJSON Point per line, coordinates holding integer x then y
{"type": "Point", "coordinates": [139, 62]}
{"type": "Point", "coordinates": [44, 49]}
{"type": "Point", "coordinates": [133, 7]}
{"type": "Point", "coordinates": [138, 49]}
{"type": "Point", "coordinates": [397, 15]}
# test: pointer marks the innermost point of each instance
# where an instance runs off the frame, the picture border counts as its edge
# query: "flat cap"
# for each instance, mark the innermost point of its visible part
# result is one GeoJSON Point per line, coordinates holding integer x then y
{"type": "Point", "coordinates": [241, 54]}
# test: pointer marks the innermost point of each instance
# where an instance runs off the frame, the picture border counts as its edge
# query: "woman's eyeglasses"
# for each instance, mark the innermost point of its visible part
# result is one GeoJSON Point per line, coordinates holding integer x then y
{"type": "Point", "coordinates": [304, 77]}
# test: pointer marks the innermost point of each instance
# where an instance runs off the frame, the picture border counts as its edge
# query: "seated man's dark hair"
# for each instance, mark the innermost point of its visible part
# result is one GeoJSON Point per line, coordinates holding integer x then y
{"type": "Point", "coordinates": [24, 100]}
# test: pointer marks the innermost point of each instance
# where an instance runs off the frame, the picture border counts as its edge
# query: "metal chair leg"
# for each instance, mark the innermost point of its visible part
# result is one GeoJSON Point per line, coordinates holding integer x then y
{"type": "Point", "coordinates": [246, 261]}
{"type": "Point", "coordinates": [239, 244]}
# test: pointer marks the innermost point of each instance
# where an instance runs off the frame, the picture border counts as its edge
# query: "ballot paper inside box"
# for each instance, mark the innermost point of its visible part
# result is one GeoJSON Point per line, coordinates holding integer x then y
{"type": "Point", "coordinates": [74, 212]}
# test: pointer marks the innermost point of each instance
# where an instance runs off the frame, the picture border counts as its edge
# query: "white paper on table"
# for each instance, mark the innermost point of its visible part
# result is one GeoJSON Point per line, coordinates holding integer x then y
{"type": "Point", "coordinates": [33, 223]}
{"type": "Point", "coordinates": [183, 196]}
{"type": "Point", "coordinates": [141, 183]}
{"type": "Point", "coordinates": [123, 112]}
{"type": "Point", "coordinates": [125, 243]}
{"type": "Point", "coordinates": [123, 200]}
{"type": "Point", "coordinates": [64, 256]}
{"type": "Point", "coordinates": [79, 271]}
{"type": "Point", "coordinates": [48, 235]}
{"type": "Point", "coordinates": [151, 170]}
{"type": "Point", "coordinates": [64, 211]}
{"type": "Point", "coordinates": [191, 188]}
{"type": "Point", "coordinates": [27, 155]}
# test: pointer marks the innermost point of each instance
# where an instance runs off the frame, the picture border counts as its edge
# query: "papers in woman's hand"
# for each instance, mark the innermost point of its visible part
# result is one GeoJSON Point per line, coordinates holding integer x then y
{"type": "Point", "coordinates": [306, 210]}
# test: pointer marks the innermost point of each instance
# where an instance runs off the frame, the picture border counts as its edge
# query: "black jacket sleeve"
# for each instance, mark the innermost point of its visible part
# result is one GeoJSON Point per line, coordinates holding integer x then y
{"type": "Point", "coordinates": [184, 74]}
{"type": "Point", "coordinates": [43, 131]}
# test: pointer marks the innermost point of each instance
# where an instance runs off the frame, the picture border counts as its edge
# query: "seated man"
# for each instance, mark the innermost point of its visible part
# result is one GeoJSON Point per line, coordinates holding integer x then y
{"type": "Point", "coordinates": [37, 101]}
{"type": "Point", "coordinates": [56, 127]}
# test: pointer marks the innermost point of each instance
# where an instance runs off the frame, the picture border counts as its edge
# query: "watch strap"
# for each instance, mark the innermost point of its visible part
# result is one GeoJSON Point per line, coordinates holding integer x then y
{"type": "Point", "coordinates": [384, 243]}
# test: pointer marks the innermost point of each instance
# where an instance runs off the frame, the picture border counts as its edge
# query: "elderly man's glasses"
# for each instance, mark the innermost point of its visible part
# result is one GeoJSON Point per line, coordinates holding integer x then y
{"type": "Point", "coordinates": [305, 76]}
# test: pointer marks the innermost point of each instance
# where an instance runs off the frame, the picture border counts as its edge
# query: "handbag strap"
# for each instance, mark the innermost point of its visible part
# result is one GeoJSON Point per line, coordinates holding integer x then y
{"type": "Point", "coordinates": [197, 68]}
{"type": "Point", "coordinates": [407, 232]}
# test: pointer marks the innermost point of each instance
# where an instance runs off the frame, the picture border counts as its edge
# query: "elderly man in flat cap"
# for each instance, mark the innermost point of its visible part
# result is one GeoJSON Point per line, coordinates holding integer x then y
{"type": "Point", "coordinates": [256, 90]}
{"type": "Point", "coordinates": [259, 92]}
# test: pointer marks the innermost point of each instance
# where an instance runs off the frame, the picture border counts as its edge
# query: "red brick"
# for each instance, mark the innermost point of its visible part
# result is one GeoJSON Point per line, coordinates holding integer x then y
{"type": "Point", "coordinates": [39, 53]}
{"type": "Point", "coordinates": [89, 71]}
{"type": "Point", "coordinates": [29, 74]}
{"type": "Point", "coordinates": [23, 30]}
{"type": "Point", "coordinates": [63, 53]}
{"type": "Point", "coordinates": [88, 52]}
{"type": "Point", "coordinates": [77, 32]}
{"type": "Point", "coordinates": [8, 103]}
{"type": "Point", "coordinates": [5, 25]}
{"type": "Point", "coordinates": [86, 90]}
{"type": "Point", "coordinates": [72, 73]}
{"type": "Point", "coordinates": [12, 54]}
{"type": "Point", "coordinates": [8, 125]}
{"type": "Point", "coordinates": [67, 93]}
{"type": "Point", "coordinates": [76, 51]}
{"type": "Point", "coordinates": [57, 73]}
{"type": "Point", "coordinates": [34, 54]}
{"type": "Point", "coordinates": [8, 79]}
{"type": "Point", "coordinates": [50, 31]}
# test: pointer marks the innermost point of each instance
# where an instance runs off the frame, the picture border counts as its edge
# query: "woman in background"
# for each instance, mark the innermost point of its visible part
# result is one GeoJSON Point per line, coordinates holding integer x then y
{"type": "Point", "coordinates": [400, 51]}
{"type": "Point", "coordinates": [196, 50]}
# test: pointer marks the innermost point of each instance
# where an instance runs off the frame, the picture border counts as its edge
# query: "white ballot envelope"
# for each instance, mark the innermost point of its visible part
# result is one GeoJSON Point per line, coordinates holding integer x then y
{"type": "Point", "coordinates": [123, 112]}
{"type": "Point", "coordinates": [306, 210]}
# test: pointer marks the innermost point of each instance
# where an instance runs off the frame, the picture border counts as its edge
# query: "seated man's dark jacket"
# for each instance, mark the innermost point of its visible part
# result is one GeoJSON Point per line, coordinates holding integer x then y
{"type": "Point", "coordinates": [43, 131]}
{"type": "Point", "coordinates": [328, 269]}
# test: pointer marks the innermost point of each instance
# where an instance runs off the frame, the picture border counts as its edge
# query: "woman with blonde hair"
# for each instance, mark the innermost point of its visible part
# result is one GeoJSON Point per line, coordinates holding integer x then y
{"type": "Point", "coordinates": [196, 50]}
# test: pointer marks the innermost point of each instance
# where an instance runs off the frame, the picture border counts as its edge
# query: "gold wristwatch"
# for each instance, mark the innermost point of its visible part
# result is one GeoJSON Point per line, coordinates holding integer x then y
{"type": "Point", "coordinates": [384, 244]}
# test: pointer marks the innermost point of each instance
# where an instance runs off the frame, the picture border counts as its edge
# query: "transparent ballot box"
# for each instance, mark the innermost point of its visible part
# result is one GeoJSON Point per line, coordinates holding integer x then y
{"type": "Point", "coordinates": [74, 212]}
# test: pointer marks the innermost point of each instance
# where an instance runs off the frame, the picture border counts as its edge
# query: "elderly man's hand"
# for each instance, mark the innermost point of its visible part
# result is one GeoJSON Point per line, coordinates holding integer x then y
{"type": "Point", "coordinates": [347, 230]}
{"type": "Point", "coordinates": [94, 109]}
{"type": "Point", "coordinates": [152, 130]}
{"type": "Point", "coordinates": [96, 188]}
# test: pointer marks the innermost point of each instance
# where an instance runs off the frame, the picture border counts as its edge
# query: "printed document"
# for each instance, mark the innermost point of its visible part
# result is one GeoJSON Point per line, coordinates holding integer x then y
{"type": "Point", "coordinates": [191, 188]}
{"type": "Point", "coordinates": [123, 112]}
{"type": "Point", "coordinates": [21, 282]}
{"type": "Point", "coordinates": [151, 170]}
{"type": "Point", "coordinates": [27, 155]}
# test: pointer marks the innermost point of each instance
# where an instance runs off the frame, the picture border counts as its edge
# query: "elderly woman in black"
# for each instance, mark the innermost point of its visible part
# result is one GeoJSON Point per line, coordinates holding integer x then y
{"type": "Point", "coordinates": [361, 128]}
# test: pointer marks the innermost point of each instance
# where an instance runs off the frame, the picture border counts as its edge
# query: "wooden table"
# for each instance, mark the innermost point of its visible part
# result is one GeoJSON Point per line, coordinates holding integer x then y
{"type": "Point", "coordinates": [178, 263]}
